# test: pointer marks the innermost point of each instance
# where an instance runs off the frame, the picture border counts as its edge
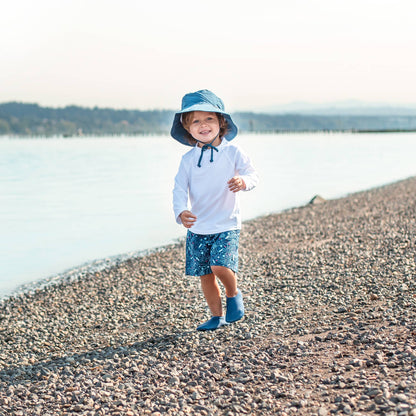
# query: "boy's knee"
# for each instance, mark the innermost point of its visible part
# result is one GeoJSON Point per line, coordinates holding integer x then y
{"type": "Point", "coordinates": [209, 276]}
{"type": "Point", "coordinates": [219, 270]}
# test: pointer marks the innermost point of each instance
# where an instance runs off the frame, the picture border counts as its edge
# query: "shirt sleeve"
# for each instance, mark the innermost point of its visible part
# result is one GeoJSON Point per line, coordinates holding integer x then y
{"type": "Point", "coordinates": [246, 170]}
{"type": "Point", "coordinates": [180, 192]}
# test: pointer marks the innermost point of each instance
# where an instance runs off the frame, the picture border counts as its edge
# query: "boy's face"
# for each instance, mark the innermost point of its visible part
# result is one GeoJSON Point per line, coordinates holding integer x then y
{"type": "Point", "coordinates": [204, 127]}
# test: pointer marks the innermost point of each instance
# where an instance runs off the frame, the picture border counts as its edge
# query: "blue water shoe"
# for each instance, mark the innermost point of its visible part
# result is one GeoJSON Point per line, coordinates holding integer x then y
{"type": "Point", "coordinates": [235, 308]}
{"type": "Point", "coordinates": [214, 323]}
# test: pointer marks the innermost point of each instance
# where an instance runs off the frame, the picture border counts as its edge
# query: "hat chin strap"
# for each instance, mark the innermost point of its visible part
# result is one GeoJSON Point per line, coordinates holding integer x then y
{"type": "Point", "coordinates": [205, 147]}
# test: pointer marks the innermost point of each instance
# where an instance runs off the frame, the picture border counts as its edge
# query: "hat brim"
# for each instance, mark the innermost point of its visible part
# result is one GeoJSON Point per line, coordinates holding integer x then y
{"type": "Point", "coordinates": [179, 133]}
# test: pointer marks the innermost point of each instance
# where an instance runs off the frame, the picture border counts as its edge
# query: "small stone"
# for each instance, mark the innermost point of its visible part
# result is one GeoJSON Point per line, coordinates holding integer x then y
{"type": "Point", "coordinates": [400, 398]}
{"type": "Point", "coordinates": [373, 392]}
{"type": "Point", "coordinates": [346, 408]}
{"type": "Point", "coordinates": [173, 381]}
{"type": "Point", "coordinates": [322, 411]}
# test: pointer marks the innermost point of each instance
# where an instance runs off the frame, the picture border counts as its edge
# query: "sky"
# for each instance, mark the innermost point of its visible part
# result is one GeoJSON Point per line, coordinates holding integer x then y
{"type": "Point", "coordinates": [253, 54]}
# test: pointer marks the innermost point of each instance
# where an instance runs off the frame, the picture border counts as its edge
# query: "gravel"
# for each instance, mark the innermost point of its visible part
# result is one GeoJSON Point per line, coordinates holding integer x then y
{"type": "Point", "coordinates": [330, 298]}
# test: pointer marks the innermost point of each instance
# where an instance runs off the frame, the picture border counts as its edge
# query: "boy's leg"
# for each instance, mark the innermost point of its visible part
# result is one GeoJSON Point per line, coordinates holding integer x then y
{"type": "Point", "coordinates": [198, 249]}
{"type": "Point", "coordinates": [224, 264]}
{"type": "Point", "coordinates": [235, 304]}
{"type": "Point", "coordinates": [228, 279]}
{"type": "Point", "coordinates": [212, 293]}
{"type": "Point", "coordinates": [213, 297]}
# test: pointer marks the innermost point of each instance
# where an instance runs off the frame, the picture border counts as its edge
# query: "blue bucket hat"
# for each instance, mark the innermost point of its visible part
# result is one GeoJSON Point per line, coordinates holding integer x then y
{"type": "Point", "coordinates": [202, 100]}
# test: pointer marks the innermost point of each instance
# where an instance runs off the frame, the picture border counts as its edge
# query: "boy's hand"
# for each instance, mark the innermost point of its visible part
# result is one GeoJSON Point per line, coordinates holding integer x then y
{"type": "Point", "coordinates": [188, 219]}
{"type": "Point", "coordinates": [236, 184]}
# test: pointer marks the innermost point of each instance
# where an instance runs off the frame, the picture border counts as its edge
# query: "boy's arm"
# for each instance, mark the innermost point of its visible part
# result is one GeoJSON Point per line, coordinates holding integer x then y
{"type": "Point", "coordinates": [246, 172]}
{"type": "Point", "coordinates": [180, 193]}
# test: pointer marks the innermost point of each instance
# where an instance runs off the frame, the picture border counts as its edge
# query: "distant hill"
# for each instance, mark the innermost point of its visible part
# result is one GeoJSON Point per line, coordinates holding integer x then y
{"type": "Point", "coordinates": [22, 119]}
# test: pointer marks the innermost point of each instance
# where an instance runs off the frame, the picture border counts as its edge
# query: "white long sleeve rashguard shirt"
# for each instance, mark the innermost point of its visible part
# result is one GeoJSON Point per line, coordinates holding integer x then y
{"type": "Point", "coordinates": [216, 207]}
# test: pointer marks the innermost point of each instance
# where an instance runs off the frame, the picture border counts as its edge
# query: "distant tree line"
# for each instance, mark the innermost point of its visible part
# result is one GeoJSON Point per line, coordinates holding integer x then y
{"type": "Point", "coordinates": [34, 120]}
{"type": "Point", "coordinates": [304, 122]}
{"type": "Point", "coordinates": [23, 119]}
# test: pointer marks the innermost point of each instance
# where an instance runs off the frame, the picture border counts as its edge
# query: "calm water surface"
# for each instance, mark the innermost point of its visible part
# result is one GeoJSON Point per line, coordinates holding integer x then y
{"type": "Point", "coordinates": [64, 202]}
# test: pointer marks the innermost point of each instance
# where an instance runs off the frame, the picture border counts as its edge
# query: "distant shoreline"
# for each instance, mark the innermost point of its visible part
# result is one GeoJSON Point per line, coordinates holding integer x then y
{"type": "Point", "coordinates": [277, 132]}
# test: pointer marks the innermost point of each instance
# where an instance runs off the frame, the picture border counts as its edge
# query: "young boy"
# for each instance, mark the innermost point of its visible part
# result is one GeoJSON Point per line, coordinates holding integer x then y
{"type": "Point", "coordinates": [210, 175]}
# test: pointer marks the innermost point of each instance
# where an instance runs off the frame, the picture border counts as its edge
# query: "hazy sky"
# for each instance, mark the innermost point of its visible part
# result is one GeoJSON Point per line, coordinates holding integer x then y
{"type": "Point", "coordinates": [147, 54]}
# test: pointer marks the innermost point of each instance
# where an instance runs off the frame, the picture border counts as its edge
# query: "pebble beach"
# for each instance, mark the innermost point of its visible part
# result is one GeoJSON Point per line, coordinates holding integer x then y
{"type": "Point", "coordinates": [330, 328]}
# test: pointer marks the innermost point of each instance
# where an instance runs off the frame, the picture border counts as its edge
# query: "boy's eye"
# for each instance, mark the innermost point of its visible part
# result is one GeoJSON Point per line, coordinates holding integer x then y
{"type": "Point", "coordinates": [208, 119]}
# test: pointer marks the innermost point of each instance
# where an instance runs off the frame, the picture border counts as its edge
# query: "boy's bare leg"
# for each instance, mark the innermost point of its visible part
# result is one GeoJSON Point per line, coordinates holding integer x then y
{"type": "Point", "coordinates": [228, 279]}
{"type": "Point", "coordinates": [212, 293]}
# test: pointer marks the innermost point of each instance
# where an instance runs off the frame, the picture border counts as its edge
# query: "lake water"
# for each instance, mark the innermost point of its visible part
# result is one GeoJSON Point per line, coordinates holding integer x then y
{"type": "Point", "coordinates": [66, 202]}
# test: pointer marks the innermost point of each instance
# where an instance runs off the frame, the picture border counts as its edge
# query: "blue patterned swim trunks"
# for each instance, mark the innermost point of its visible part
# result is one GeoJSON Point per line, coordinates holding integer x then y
{"type": "Point", "coordinates": [204, 251]}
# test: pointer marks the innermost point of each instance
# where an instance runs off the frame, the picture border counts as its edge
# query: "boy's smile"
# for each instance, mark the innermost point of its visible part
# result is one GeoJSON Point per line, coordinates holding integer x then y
{"type": "Point", "coordinates": [205, 127]}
